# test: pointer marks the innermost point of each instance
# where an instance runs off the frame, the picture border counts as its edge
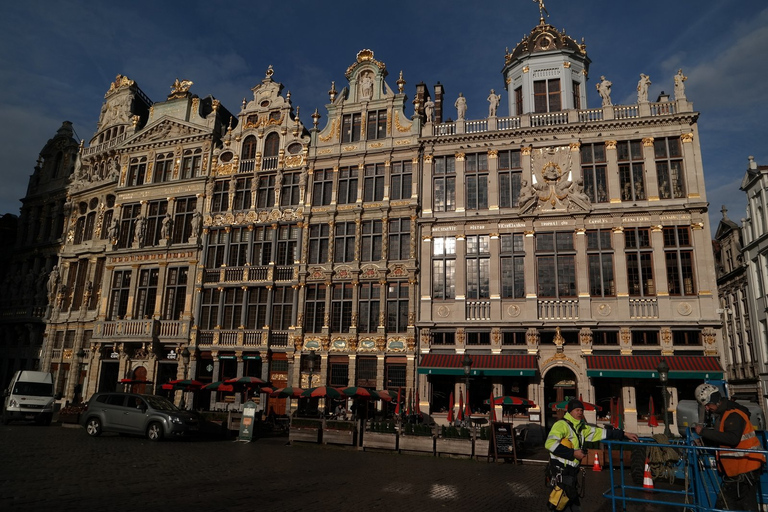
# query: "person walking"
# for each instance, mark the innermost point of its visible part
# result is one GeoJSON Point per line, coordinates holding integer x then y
{"type": "Point", "coordinates": [565, 444]}
{"type": "Point", "coordinates": [733, 429]}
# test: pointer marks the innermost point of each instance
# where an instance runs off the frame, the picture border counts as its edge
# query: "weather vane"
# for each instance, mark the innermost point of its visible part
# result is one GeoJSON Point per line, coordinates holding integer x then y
{"type": "Point", "coordinates": [542, 10]}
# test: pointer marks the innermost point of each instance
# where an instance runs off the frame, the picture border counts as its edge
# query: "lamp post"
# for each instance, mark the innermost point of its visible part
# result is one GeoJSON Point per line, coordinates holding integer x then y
{"type": "Point", "coordinates": [467, 362]}
{"type": "Point", "coordinates": [311, 359]}
{"type": "Point", "coordinates": [79, 386]}
{"type": "Point", "coordinates": [663, 370]}
{"type": "Point", "coordinates": [185, 359]}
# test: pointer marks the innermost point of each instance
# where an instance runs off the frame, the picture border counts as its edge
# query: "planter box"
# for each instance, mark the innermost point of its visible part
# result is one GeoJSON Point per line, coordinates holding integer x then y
{"type": "Point", "coordinates": [304, 434]}
{"type": "Point", "coordinates": [482, 447]}
{"type": "Point", "coordinates": [424, 444]}
{"type": "Point", "coordinates": [333, 436]}
{"type": "Point", "coordinates": [380, 440]}
{"type": "Point", "coordinates": [451, 446]}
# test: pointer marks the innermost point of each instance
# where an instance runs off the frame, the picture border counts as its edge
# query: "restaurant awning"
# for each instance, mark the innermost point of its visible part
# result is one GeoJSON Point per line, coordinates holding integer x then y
{"type": "Point", "coordinates": [644, 367]}
{"type": "Point", "coordinates": [486, 364]}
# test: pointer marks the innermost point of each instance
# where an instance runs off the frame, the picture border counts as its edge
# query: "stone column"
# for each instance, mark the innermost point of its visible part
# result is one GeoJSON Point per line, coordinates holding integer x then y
{"type": "Point", "coordinates": [612, 172]}
{"type": "Point", "coordinates": [493, 177]}
{"type": "Point", "coordinates": [426, 185]}
{"type": "Point", "coordinates": [651, 177]}
{"type": "Point", "coordinates": [461, 200]}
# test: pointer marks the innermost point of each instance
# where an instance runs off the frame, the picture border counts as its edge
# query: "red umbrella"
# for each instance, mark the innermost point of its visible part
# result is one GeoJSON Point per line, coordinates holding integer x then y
{"type": "Point", "coordinates": [652, 421]}
{"type": "Point", "coordinates": [289, 392]}
{"type": "Point", "coordinates": [461, 406]}
{"type": "Point", "coordinates": [492, 413]}
{"type": "Point", "coordinates": [218, 386]}
{"type": "Point", "coordinates": [450, 409]}
{"type": "Point", "coordinates": [183, 384]}
{"type": "Point", "coordinates": [247, 381]}
{"type": "Point", "coordinates": [358, 392]}
{"type": "Point", "coordinates": [397, 407]}
{"type": "Point", "coordinates": [267, 390]}
{"type": "Point", "coordinates": [512, 400]}
{"type": "Point", "coordinates": [323, 392]}
{"type": "Point", "coordinates": [385, 395]}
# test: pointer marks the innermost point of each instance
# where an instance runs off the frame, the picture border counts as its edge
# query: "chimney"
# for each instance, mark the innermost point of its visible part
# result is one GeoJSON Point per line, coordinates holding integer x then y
{"type": "Point", "coordinates": [663, 97]}
{"type": "Point", "coordinates": [439, 93]}
{"type": "Point", "coordinates": [422, 93]}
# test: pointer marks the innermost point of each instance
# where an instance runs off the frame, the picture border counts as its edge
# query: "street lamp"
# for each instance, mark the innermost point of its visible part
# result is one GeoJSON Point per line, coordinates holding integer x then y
{"type": "Point", "coordinates": [467, 362]}
{"type": "Point", "coordinates": [185, 359]}
{"type": "Point", "coordinates": [663, 370]}
{"type": "Point", "coordinates": [80, 362]}
{"type": "Point", "coordinates": [311, 359]}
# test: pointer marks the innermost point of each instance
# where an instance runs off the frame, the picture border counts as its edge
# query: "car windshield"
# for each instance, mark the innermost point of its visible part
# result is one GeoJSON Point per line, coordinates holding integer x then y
{"type": "Point", "coordinates": [33, 389]}
{"type": "Point", "coordinates": [160, 404]}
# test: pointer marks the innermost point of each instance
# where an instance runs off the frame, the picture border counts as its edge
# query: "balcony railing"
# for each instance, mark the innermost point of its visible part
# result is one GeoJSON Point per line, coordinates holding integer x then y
{"type": "Point", "coordinates": [127, 329]}
{"type": "Point", "coordinates": [247, 338]}
{"type": "Point", "coordinates": [558, 309]}
{"type": "Point", "coordinates": [478, 310]}
{"type": "Point", "coordinates": [549, 119]}
{"type": "Point", "coordinates": [508, 123]}
{"type": "Point", "coordinates": [664, 108]}
{"type": "Point", "coordinates": [250, 274]}
{"type": "Point", "coordinates": [445, 129]}
{"type": "Point", "coordinates": [269, 163]}
{"type": "Point", "coordinates": [478, 126]}
{"type": "Point", "coordinates": [643, 308]}
{"type": "Point", "coordinates": [247, 165]}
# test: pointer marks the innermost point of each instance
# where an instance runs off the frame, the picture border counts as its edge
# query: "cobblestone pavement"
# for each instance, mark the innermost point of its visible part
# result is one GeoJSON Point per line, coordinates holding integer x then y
{"type": "Point", "coordinates": [55, 468]}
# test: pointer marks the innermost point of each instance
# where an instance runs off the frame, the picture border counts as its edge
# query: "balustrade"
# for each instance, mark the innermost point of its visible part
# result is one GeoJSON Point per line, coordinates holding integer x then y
{"type": "Point", "coordinates": [558, 309]}
{"type": "Point", "coordinates": [643, 308]}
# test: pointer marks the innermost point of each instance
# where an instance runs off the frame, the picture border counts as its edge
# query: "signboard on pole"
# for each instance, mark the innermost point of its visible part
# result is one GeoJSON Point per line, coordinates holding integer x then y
{"type": "Point", "coordinates": [247, 423]}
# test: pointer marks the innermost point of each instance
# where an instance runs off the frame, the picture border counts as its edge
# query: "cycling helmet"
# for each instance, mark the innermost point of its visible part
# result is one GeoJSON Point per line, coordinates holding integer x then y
{"type": "Point", "coordinates": [707, 394]}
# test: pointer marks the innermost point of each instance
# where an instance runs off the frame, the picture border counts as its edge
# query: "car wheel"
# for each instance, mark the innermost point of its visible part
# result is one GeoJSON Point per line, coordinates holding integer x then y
{"type": "Point", "coordinates": [93, 427]}
{"type": "Point", "coordinates": [155, 431]}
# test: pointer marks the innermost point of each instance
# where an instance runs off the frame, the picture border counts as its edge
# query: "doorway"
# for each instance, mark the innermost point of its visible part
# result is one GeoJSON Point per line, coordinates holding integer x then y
{"type": "Point", "coordinates": [139, 373]}
{"type": "Point", "coordinates": [559, 384]}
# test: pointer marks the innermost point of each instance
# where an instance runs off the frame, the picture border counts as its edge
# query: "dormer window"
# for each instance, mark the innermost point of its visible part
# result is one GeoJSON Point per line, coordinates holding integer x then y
{"type": "Point", "coordinates": [546, 95]}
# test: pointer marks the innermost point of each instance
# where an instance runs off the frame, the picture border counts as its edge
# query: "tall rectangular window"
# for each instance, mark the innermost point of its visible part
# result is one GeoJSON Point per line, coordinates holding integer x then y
{"type": "Point", "coordinates": [350, 127]}
{"type": "Point", "coordinates": [341, 307]}
{"type": "Point", "coordinates": [576, 95]}
{"type": "Point", "coordinates": [209, 308]}
{"type": "Point", "coordinates": [175, 293]}
{"type": "Point", "coordinates": [256, 308]}
{"type": "Point", "coordinates": [287, 240]}
{"type": "Point", "coordinates": [137, 171]}
{"type": "Point", "coordinates": [678, 255]}
{"type": "Point", "coordinates": [401, 176]}
{"type": "Point", "coordinates": [98, 275]}
{"type": "Point", "coordinates": [118, 297]}
{"type": "Point", "coordinates": [154, 222]}
{"type": "Point", "coordinates": [600, 261]}
{"type": "Point", "coordinates": [347, 189]}
{"type": "Point", "coordinates": [190, 163]}
{"type": "Point", "coordinates": [146, 293]}
{"type": "Point", "coordinates": [377, 125]}
{"type": "Point", "coordinates": [318, 243]}
{"type": "Point", "coordinates": [282, 308]}
{"type": "Point", "coordinates": [338, 371]}
{"type": "Point", "coordinates": [546, 95]}
{"type": "Point", "coordinates": [593, 171]}
{"type": "Point", "coordinates": [476, 180]}
{"type": "Point", "coordinates": [217, 245]}
{"type": "Point", "coordinates": [519, 101]}
{"type": "Point", "coordinates": [232, 310]}
{"type": "Point", "coordinates": [182, 221]}
{"type": "Point", "coordinates": [512, 266]}
{"type": "Point", "coordinates": [322, 187]}
{"type": "Point", "coordinates": [163, 167]}
{"type": "Point", "coordinates": [444, 183]}
{"type": "Point", "coordinates": [366, 371]}
{"type": "Point", "coordinates": [368, 304]}
{"type": "Point", "coordinates": [444, 267]}
{"type": "Point", "coordinates": [397, 306]}
{"type": "Point", "coordinates": [371, 240]}
{"type": "Point", "coordinates": [639, 253]}
{"type": "Point", "coordinates": [220, 199]}
{"type": "Point", "coordinates": [344, 242]}
{"type": "Point", "coordinates": [261, 250]}
{"type": "Point", "coordinates": [289, 195]}
{"type": "Point", "coordinates": [81, 269]}
{"type": "Point", "coordinates": [265, 195]}
{"type": "Point", "coordinates": [373, 184]}
{"type": "Point", "coordinates": [399, 239]}
{"type": "Point", "coordinates": [478, 259]}
{"type": "Point", "coordinates": [669, 167]}
{"type": "Point", "coordinates": [239, 238]}
{"type": "Point", "coordinates": [555, 265]}
{"type": "Point", "coordinates": [629, 154]}
{"type": "Point", "coordinates": [314, 308]}
{"type": "Point", "coordinates": [128, 225]}
{"type": "Point", "coordinates": [242, 199]}
{"type": "Point", "coordinates": [510, 172]}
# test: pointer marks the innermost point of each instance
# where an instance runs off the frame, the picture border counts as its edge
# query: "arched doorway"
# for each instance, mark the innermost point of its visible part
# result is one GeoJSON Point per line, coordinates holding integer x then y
{"type": "Point", "coordinates": [559, 384]}
{"type": "Point", "coordinates": [139, 373]}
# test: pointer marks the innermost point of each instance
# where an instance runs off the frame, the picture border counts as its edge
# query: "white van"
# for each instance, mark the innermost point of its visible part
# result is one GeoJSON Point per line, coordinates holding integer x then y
{"type": "Point", "coordinates": [29, 397]}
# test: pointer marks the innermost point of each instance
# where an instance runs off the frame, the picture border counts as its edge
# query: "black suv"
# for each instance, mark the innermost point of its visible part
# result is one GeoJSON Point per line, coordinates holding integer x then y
{"type": "Point", "coordinates": [130, 413]}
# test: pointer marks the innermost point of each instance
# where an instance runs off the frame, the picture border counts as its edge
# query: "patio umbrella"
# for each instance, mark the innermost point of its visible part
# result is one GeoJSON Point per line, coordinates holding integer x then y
{"type": "Point", "coordinates": [358, 392]}
{"type": "Point", "coordinates": [564, 405]}
{"type": "Point", "coordinates": [492, 402]}
{"type": "Point", "coordinates": [461, 406]}
{"type": "Point", "coordinates": [267, 390]}
{"type": "Point", "coordinates": [134, 381]}
{"type": "Point", "coordinates": [218, 385]}
{"type": "Point", "coordinates": [323, 392]}
{"type": "Point", "coordinates": [416, 404]}
{"type": "Point", "coordinates": [511, 400]}
{"type": "Point", "coordinates": [652, 421]}
{"type": "Point", "coordinates": [450, 409]}
{"type": "Point", "coordinates": [409, 405]}
{"type": "Point", "coordinates": [397, 407]}
{"type": "Point", "coordinates": [386, 395]}
{"type": "Point", "coordinates": [183, 384]}
{"type": "Point", "coordinates": [467, 411]}
{"type": "Point", "coordinates": [247, 381]}
{"type": "Point", "coordinates": [288, 392]}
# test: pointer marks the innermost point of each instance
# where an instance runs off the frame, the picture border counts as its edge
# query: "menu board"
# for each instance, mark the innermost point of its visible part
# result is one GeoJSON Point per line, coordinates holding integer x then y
{"type": "Point", "coordinates": [503, 440]}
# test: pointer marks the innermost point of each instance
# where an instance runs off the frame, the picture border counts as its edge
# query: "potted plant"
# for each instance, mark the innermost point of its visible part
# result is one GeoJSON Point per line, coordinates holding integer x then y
{"type": "Point", "coordinates": [381, 436]}
{"type": "Point", "coordinates": [454, 441]}
{"type": "Point", "coordinates": [339, 432]}
{"type": "Point", "coordinates": [418, 437]}
{"type": "Point", "coordinates": [305, 429]}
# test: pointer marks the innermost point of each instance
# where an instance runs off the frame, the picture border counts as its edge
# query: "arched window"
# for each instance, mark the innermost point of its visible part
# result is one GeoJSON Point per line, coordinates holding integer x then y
{"type": "Point", "coordinates": [57, 164]}
{"type": "Point", "coordinates": [271, 150]}
{"type": "Point", "coordinates": [249, 148]}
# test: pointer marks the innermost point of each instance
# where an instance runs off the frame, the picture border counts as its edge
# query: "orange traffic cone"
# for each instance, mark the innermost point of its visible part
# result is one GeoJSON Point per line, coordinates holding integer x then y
{"type": "Point", "coordinates": [647, 478]}
{"type": "Point", "coordinates": [596, 465]}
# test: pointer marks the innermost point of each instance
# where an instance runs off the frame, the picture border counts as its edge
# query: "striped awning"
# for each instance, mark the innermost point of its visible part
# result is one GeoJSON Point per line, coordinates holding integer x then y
{"type": "Point", "coordinates": [644, 367]}
{"type": "Point", "coordinates": [486, 364]}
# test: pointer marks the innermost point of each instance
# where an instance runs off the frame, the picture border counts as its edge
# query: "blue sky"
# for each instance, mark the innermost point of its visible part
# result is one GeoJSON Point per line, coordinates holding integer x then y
{"type": "Point", "coordinates": [59, 58]}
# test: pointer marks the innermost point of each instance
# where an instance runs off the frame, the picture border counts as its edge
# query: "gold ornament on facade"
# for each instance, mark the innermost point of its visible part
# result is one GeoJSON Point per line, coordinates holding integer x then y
{"type": "Point", "coordinates": [648, 142]}
{"type": "Point", "coordinates": [334, 129]}
{"type": "Point", "coordinates": [401, 127]}
{"type": "Point", "coordinates": [558, 358]}
{"type": "Point", "coordinates": [460, 157]}
{"type": "Point", "coordinates": [526, 150]}
{"type": "Point", "coordinates": [120, 82]}
{"type": "Point", "coordinates": [686, 137]}
{"type": "Point", "coordinates": [610, 144]}
{"type": "Point", "coordinates": [180, 88]}
{"type": "Point", "coordinates": [574, 146]}
{"type": "Point", "coordinates": [381, 344]}
{"type": "Point", "coordinates": [428, 159]}
{"type": "Point", "coordinates": [493, 153]}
